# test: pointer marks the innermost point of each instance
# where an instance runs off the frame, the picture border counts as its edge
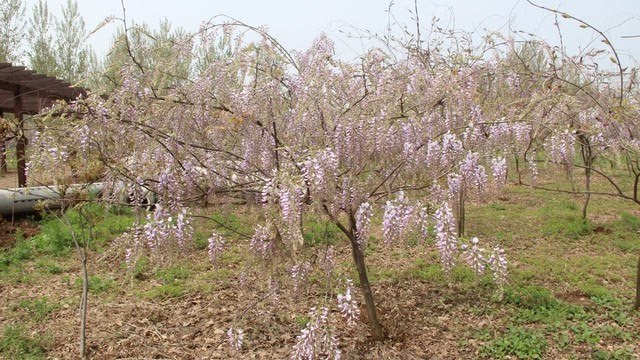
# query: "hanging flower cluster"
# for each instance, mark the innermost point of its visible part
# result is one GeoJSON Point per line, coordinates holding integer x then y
{"type": "Point", "coordinates": [315, 340]}
{"type": "Point", "coordinates": [235, 337]}
{"type": "Point", "coordinates": [397, 219]}
{"type": "Point", "coordinates": [363, 223]}
{"type": "Point", "coordinates": [446, 240]}
{"type": "Point", "coordinates": [348, 305]}
{"type": "Point", "coordinates": [261, 244]}
{"type": "Point", "coordinates": [561, 147]}
{"type": "Point", "coordinates": [498, 264]}
{"type": "Point", "coordinates": [160, 229]}
{"type": "Point", "coordinates": [299, 273]}
{"type": "Point", "coordinates": [215, 247]}
{"type": "Point", "coordinates": [474, 256]}
{"type": "Point", "coordinates": [499, 172]}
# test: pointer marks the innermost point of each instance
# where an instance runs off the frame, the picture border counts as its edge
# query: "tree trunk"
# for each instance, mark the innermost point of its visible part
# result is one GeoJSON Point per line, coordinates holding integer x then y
{"type": "Point", "coordinates": [377, 331]}
{"type": "Point", "coordinates": [82, 254]}
{"type": "Point", "coordinates": [376, 328]}
{"type": "Point", "coordinates": [518, 170]}
{"type": "Point", "coordinates": [83, 308]}
{"type": "Point", "coordinates": [636, 305]}
{"type": "Point", "coordinates": [461, 212]}
{"type": "Point", "coordinates": [587, 158]}
{"type": "Point", "coordinates": [3, 157]}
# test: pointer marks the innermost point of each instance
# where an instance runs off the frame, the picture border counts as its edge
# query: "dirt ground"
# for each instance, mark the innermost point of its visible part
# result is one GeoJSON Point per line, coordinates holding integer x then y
{"type": "Point", "coordinates": [9, 180]}
{"type": "Point", "coordinates": [182, 308]}
{"type": "Point", "coordinates": [8, 228]}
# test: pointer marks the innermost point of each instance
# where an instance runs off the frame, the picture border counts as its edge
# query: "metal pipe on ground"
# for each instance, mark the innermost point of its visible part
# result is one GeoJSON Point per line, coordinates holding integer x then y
{"type": "Point", "coordinates": [24, 200]}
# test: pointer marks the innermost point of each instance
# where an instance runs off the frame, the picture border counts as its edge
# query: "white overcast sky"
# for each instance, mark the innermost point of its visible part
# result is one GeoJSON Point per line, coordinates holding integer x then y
{"type": "Point", "coordinates": [295, 23]}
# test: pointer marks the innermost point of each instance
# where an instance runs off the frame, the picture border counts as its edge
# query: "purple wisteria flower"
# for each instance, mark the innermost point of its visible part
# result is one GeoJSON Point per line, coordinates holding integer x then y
{"type": "Point", "coordinates": [446, 241]}
{"type": "Point", "coordinates": [315, 340]}
{"type": "Point", "coordinates": [216, 246]}
{"type": "Point", "coordinates": [363, 223]}
{"type": "Point", "coordinates": [348, 305]}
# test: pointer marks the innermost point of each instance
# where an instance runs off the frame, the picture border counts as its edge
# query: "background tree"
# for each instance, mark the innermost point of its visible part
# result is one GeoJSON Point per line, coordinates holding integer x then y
{"type": "Point", "coordinates": [12, 26]}
{"type": "Point", "coordinates": [40, 52]}
{"type": "Point", "coordinates": [72, 54]}
{"type": "Point", "coordinates": [143, 48]}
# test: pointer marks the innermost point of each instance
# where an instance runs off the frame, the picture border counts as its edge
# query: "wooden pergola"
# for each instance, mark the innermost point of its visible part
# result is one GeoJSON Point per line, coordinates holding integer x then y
{"type": "Point", "coordinates": [23, 91]}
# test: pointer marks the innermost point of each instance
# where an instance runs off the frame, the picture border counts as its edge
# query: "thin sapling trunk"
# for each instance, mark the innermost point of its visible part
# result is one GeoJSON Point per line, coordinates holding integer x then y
{"type": "Point", "coordinates": [81, 249]}
{"type": "Point", "coordinates": [377, 330]}
{"type": "Point", "coordinates": [636, 305]}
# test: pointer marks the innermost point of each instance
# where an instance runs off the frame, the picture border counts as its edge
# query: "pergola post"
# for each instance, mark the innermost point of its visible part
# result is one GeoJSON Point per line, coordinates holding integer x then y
{"type": "Point", "coordinates": [22, 91]}
{"type": "Point", "coordinates": [20, 139]}
{"type": "Point", "coordinates": [3, 149]}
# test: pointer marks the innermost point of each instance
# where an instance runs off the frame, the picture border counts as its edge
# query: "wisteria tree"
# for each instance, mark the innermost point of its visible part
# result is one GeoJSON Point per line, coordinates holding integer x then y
{"type": "Point", "coordinates": [407, 138]}
{"type": "Point", "coordinates": [296, 133]}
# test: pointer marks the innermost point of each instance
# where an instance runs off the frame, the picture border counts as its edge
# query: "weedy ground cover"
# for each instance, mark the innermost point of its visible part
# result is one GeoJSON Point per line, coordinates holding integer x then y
{"type": "Point", "coordinates": [568, 297]}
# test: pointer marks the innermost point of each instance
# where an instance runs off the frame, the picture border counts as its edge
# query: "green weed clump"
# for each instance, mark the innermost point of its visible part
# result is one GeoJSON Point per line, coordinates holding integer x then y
{"type": "Point", "coordinates": [317, 232]}
{"type": "Point", "coordinates": [618, 354]}
{"type": "Point", "coordinates": [97, 284]}
{"type": "Point", "coordinates": [55, 236]}
{"type": "Point", "coordinates": [518, 342]}
{"type": "Point", "coordinates": [172, 274]}
{"type": "Point", "coordinates": [572, 227]}
{"type": "Point", "coordinates": [163, 292]}
{"type": "Point", "coordinates": [627, 222]}
{"type": "Point", "coordinates": [49, 266]}
{"type": "Point", "coordinates": [538, 305]}
{"type": "Point", "coordinates": [22, 250]}
{"type": "Point", "coordinates": [427, 272]}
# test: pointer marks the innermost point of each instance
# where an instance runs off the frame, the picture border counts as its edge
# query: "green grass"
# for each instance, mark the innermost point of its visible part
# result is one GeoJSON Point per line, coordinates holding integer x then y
{"type": "Point", "coordinates": [54, 239]}
{"type": "Point", "coordinates": [234, 224]}
{"type": "Point", "coordinates": [50, 266]}
{"type": "Point", "coordinates": [569, 291]}
{"type": "Point", "coordinates": [172, 274]}
{"type": "Point", "coordinates": [55, 236]}
{"type": "Point", "coordinates": [319, 232]}
{"type": "Point", "coordinates": [163, 292]}
{"type": "Point", "coordinates": [537, 305]}
{"type": "Point", "coordinates": [97, 284]}
{"type": "Point", "coordinates": [37, 309]}
{"type": "Point", "coordinates": [17, 344]}
{"type": "Point", "coordinates": [21, 251]}
{"type": "Point", "coordinates": [424, 271]}
{"type": "Point", "coordinates": [571, 227]}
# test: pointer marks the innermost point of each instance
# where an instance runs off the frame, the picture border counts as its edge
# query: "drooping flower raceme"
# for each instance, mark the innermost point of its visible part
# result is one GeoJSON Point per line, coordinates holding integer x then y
{"type": "Point", "coordinates": [363, 223]}
{"type": "Point", "coordinates": [533, 167]}
{"type": "Point", "coordinates": [261, 244]}
{"type": "Point", "coordinates": [160, 229]}
{"type": "Point", "coordinates": [561, 147]}
{"type": "Point", "coordinates": [396, 219]}
{"type": "Point", "coordinates": [216, 246]}
{"type": "Point", "coordinates": [498, 264]}
{"type": "Point", "coordinates": [235, 338]}
{"type": "Point", "coordinates": [129, 258]}
{"type": "Point", "coordinates": [446, 241]}
{"type": "Point", "coordinates": [348, 305]}
{"type": "Point", "coordinates": [315, 340]}
{"type": "Point", "coordinates": [183, 228]}
{"type": "Point", "coordinates": [499, 171]}
{"type": "Point", "coordinates": [299, 273]}
{"type": "Point", "coordinates": [157, 228]}
{"type": "Point", "coordinates": [474, 256]}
